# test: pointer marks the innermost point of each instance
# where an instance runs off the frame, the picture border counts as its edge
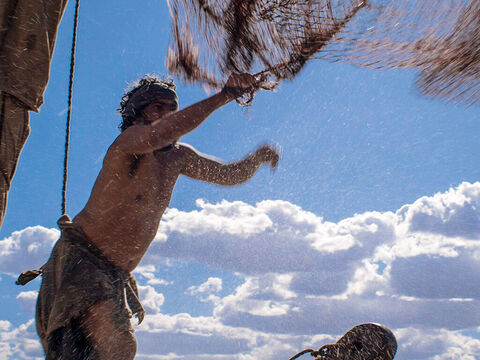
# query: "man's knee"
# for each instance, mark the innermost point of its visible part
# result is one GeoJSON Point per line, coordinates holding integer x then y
{"type": "Point", "coordinates": [122, 346]}
{"type": "Point", "coordinates": [109, 339]}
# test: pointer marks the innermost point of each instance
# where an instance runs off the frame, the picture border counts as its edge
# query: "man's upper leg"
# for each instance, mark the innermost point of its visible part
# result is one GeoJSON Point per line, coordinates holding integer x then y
{"type": "Point", "coordinates": [109, 331]}
{"type": "Point", "coordinates": [78, 285]}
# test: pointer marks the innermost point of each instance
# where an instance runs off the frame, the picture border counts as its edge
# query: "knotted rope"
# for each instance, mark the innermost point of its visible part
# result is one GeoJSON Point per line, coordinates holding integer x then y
{"type": "Point", "coordinates": [69, 112]}
{"type": "Point", "coordinates": [303, 352]}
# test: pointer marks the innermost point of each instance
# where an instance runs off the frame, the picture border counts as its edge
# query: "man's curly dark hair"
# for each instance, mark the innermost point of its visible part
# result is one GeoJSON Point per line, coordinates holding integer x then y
{"type": "Point", "coordinates": [145, 81]}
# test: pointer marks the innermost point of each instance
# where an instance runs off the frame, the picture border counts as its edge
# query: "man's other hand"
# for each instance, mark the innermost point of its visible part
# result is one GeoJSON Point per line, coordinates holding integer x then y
{"type": "Point", "coordinates": [239, 84]}
{"type": "Point", "coordinates": [268, 153]}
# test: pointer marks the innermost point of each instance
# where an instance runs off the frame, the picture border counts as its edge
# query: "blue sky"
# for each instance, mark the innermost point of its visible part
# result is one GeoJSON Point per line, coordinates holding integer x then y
{"type": "Point", "coordinates": [372, 214]}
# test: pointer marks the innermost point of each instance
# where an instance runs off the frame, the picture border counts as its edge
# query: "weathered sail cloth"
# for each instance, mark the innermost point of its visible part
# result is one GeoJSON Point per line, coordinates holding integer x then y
{"type": "Point", "coordinates": [14, 131]}
{"type": "Point", "coordinates": [76, 276]}
{"type": "Point", "coordinates": [27, 38]}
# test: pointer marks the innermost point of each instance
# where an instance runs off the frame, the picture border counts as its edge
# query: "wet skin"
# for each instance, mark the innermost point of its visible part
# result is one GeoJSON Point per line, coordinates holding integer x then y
{"type": "Point", "coordinates": [136, 181]}
{"type": "Point", "coordinates": [134, 188]}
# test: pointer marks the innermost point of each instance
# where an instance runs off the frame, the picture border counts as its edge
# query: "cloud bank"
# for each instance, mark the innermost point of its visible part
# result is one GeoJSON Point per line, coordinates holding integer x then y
{"type": "Point", "coordinates": [302, 281]}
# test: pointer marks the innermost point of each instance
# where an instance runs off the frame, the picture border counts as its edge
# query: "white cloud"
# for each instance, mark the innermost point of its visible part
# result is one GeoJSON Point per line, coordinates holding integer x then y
{"type": "Point", "coordinates": [455, 213]}
{"type": "Point", "coordinates": [230, 218]}
{"type": "Point", "coordinates": [205, 292]}
{"type": "Point", "coordinates": [20, 343]}
{"type": "Point", "coordinates": [257, 297]}
{"type": "Point", "coordinates": [303, 280]}
{"type": "Point", "coordinates": [207, 338]}
{"type": "Point", "coordinates": [156, 281]}
{"type": "Point", "coordinates": [148, 272]}
{"type": "Point", "coordinates": [4, 325]}
{"type": "Point", "coordinates": [27, 300]}
{"type": "Point", "coordinates": [438, 344]}
{"type": "Point", "coordinates": [279, 237]}
{"type": "Point", "coordinates": [151, 299]}
{"type": "Point", "coordinates": [26, 249]}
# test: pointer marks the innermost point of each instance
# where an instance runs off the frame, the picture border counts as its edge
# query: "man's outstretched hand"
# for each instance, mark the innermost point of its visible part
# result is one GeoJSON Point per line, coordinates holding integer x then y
{"type": "Point", "coordinates": [268, 153]}
{"type": "Point", "coordinates": [239, 84]}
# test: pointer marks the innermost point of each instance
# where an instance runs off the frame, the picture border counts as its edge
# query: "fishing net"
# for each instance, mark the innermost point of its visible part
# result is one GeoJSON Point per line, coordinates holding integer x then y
{"type": "Point", "coordinates": [214, 38]}
{"type": "Point", "coordinates": [440, 38]}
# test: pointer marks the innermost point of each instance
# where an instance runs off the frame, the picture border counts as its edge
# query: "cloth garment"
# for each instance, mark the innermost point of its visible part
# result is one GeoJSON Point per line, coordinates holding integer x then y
{"type": "Point", "coordinates": [28, 31]}
{"type": "Point", "coordinates": [14, 131]}
{"type": "Point", "coordinates": [76, 276]}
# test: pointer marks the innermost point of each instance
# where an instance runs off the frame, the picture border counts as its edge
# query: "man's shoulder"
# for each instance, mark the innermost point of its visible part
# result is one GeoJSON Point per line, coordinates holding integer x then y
{"type": "Point", "coordinates": [114, 149]}
{"type": "Point", "coordinates": [193, 155]}
{"type": "Point", "coordinates": [116, 156]}
{"type": "Point", "coordinates": [186, 149]}
{"type": "Point", "coordinates": [189, 154]}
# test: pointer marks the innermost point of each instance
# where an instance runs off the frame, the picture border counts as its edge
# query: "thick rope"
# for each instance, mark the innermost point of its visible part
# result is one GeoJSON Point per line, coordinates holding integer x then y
{"type": "Point", "coordinates": [69, 113]}
{"type": "Point", "coordinates": [303, 352]}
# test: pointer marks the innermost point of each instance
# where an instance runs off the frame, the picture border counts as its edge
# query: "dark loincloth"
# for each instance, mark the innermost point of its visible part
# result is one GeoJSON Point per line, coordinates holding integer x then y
{"type": "Point", "coordinates": [76, 276]}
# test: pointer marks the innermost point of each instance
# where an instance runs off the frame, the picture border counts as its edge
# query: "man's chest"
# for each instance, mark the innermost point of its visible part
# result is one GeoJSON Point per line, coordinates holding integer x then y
{"type": "Point", "coordinates": [154, 174]}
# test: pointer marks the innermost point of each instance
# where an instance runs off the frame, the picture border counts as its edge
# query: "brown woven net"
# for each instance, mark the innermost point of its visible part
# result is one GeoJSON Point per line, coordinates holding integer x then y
{"type": "Point", "coordinates": [213, 38]}
{"type": "Point", "coordinates": [440, 38]}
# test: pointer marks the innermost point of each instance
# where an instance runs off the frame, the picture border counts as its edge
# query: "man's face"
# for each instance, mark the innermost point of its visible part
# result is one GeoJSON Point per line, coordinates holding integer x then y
{"type": "Point", "coordinates": [158, 109]}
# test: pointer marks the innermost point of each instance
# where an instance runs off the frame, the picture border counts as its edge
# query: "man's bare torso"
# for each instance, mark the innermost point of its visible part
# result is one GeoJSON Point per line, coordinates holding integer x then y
{"type": "Point", "coordinates": [132, 192]}
{"type": "Point", "coordinates": [128, 200]}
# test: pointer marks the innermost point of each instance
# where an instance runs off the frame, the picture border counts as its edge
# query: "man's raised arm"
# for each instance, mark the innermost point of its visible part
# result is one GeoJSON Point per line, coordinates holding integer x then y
{"type": "Point", "coordinates": [162, 132]}
{"type": "Point", "coordinates": [200, 167]}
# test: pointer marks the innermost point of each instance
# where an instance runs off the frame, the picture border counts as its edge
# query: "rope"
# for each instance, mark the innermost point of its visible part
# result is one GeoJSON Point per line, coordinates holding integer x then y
{"type": "Point", "coordinates": [303, 352]}
{"type": "Point", "coordinates": [69, 113]}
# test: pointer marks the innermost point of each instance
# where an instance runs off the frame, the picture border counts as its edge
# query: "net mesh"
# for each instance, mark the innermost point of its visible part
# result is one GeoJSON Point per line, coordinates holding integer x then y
{"type": "Point", "coordinates": [440, 38]}
{"type": "Point", "coordinates": [213, 38]}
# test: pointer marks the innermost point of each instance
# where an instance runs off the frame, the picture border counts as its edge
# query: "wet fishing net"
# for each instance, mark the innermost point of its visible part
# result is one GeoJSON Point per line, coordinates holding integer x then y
{"type": "Point", "coordinates": [440, 38]}
{"type": "Point", "coordinates": [213, 38]}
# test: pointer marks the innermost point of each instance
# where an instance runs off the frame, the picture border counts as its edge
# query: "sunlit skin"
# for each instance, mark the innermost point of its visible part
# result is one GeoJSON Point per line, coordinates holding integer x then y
{"type": "Point", "coordinates": [135, 186]}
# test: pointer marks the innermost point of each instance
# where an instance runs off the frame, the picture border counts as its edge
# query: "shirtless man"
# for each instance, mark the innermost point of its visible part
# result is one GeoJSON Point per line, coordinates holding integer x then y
{"type": "Point", "coordinates": [82, 308]}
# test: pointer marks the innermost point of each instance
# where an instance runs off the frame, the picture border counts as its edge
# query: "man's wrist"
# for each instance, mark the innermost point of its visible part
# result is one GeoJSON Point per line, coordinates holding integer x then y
{"type": "Point", "coordinates": [232, 92]}
{"type": "Point", "coordinates": [225, 97]}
